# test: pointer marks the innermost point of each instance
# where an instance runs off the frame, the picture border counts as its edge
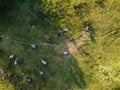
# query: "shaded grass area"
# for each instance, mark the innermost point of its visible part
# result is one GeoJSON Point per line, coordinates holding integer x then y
{"type": "Point", "coordinates": [58, 71]}
{"type": "Point", "coordinates": [17, 35]}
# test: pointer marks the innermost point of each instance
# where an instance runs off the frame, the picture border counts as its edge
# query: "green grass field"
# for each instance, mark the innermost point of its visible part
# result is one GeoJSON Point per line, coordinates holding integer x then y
{"type": "Point", "coordinates": [90, 66]}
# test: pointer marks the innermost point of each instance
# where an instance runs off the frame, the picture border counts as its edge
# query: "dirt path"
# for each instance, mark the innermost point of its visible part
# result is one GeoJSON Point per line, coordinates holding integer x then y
{"type": "Point", "coordinates": [72, 46]}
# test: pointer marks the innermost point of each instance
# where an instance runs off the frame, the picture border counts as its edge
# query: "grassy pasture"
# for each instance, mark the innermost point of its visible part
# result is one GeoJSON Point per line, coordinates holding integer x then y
{"type": "Point", "coordinates": [93, 66]}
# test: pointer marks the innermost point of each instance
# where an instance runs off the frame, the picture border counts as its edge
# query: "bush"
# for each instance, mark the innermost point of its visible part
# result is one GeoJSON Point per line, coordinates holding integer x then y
{"type": "Point", "coordinates": [99, 1]}
{"type": "Point", "coordinates": [81, 9]}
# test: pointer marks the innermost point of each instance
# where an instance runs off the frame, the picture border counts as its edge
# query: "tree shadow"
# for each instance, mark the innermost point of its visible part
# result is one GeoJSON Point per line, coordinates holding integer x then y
{"type": "Point", "coordinates": [64, 73]}
{"type": "Point", "coordinates": [100, 3]}
{"type": "Point", "coordinates": [78, 75]}
{"type": "Point", "coordinates": [84, 53]}
{"type": "Point", "coordinates": [91, 31]}
{"type": "Point", "coordinates": [66, 70]}
{"type": "Point", "coordinates": [9, 11]}
{"type": "Point", "coordinates": [73, 74]}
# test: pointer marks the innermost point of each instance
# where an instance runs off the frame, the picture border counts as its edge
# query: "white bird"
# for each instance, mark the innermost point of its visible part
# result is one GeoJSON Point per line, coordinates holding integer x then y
{"type": "Point", "coordinates": [1, 71]}
{"type": "Point", "coordinates": [11, 56]}
{"type": "Point", "coordinates": [33, 26]}
{"type": "Point", "coordinates": [16, 61]}
{"type": "Point", "coordinates": [41, 72]}
{"type": "Point", "coordinates": [33, 45]}
{"type": "Point", "coordinates": [66, 53]}
{"type": "Point", "coordinates": [28, 80]}
{"type": "Point", "coordinates": [65, 30]}
{"type": "Point", "coordinates": [43, 62]}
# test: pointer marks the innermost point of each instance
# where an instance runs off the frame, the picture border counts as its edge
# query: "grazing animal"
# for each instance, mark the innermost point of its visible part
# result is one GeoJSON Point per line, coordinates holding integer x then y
{"type": "Point", "coordinates": [33, 26]}
{"type": "Point", "coordinates": [29, 80]}
{"type": "Point", "coordinates": [11, 56]}
{"type": "Point", "coordinates": [33, 45]}
{"type": "Point", "coordinates": [43, 62]}
{"type": "Point", "coordinates": [66, 53]}
{"type": "Point", "coordinates": [41, 72]}
{"type": "Point", "coordinates": [16, 61]}
{"type": "Point", "coordinates": [65, 30]}
{"type": "Point", "coordinates": [59, 33]}
{"type": "Point", "coordinates": [1, 71]}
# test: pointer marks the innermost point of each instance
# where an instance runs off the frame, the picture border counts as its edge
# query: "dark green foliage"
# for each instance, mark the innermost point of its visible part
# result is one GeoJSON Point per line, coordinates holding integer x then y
{"type": "Point", "coordinates": [81, 9]}
{"type": "Point", "coordinates": [1, 39]}
{"type": "Point", "coordinates": [92, 33]}
{"type": "Point", "coordinates": [100, 3]}
{"type": "Point", "coordinates": [116, 88]}
{"type": "Point", "coordinates": [86, 23]}
{"type": "Point", "coordinates": [1, 52]}
{"type": "Point", "coordinates": [91, 30]}
{"type": "Point", "coordinates": [4, 5]}
{"type": "Point", "coordinates": [8, 6]}
{"type": "Point", "coordinates": [49, 11]}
